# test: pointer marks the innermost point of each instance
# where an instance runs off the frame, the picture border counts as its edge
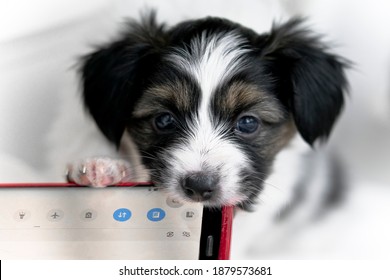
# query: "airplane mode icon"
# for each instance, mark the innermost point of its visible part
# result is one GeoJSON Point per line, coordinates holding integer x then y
{"type": "Point", "coordinates": [55, 215]}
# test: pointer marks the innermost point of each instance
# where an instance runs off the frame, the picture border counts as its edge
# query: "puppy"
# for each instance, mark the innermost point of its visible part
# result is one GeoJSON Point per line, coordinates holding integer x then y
{"type": "Point", "coordinates": [203, 108]}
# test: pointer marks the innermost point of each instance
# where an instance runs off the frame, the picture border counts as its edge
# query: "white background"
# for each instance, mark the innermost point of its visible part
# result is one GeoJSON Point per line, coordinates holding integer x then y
{"type": "Point", "coordinates": [40, 41]}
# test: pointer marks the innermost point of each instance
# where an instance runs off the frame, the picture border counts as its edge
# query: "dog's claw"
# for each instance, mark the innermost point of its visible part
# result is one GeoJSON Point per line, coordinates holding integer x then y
{"type": "Point", "coordinates": [83, 170]}
{"type": "Point", "coordinates": [99, 172]}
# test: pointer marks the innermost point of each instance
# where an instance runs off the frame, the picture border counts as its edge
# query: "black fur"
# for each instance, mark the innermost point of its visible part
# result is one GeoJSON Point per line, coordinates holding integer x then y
{"type": "Point", "coordinates": [115, 75]}
{"type": "Point", "coordinates": [310, 81]}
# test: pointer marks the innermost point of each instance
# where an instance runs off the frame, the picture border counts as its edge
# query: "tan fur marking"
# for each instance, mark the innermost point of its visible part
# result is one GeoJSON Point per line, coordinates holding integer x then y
{"type": "Point", "coordinates": [244, 94]}
{"type": "Point", "coordinates": [175, 93]}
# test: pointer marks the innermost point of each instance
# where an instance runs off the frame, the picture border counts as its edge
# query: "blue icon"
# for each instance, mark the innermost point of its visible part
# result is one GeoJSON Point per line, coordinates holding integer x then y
{"type": "Point", "coordinates": [122, 214]}
{"type": "Point", "coordinates": [156, 214]}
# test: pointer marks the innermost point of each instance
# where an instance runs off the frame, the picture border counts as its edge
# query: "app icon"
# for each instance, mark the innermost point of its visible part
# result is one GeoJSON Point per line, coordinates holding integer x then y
{"type": "Point", "coordinates": [88, 215]}
{"type": "Point", "coordinates": [122, 214]}
{"type": "Point", "coordinates": [55, 215]}
{"type": "Point", "coordinates": [156, 214]}
{"type": "Point", "coordinates": [189, 214]}
{"type": "Point", "coordinates": [22, 215]}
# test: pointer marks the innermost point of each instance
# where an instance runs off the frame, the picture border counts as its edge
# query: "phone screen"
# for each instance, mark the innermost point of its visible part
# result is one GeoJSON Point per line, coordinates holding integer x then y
{"type": "Point", "coordinates": [83, 223]}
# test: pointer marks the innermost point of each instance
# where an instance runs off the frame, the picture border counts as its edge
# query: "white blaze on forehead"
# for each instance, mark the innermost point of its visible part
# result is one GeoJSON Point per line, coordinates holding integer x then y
{"type": "Point", "coordinates": [211, 60]}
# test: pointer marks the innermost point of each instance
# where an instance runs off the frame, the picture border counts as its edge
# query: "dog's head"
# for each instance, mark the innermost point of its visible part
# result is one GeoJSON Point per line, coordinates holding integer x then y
{"type": "Point", "coordinates": [209, 103]}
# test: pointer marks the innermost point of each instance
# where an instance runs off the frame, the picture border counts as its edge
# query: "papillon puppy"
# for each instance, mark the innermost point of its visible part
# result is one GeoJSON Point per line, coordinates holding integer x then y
{"type": "Point", "coordinates": [203, 108]}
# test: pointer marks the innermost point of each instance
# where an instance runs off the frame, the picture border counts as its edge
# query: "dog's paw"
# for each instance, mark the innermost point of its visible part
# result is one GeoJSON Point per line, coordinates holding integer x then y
{"type": "Point", "coordinates": [99, 172]}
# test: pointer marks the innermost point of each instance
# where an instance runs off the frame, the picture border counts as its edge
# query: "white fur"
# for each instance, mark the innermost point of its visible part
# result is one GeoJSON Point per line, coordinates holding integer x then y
{"type": "Point", "coordinates": [207, 151]}
{"type": "Point", "coordinates": [212, 60]}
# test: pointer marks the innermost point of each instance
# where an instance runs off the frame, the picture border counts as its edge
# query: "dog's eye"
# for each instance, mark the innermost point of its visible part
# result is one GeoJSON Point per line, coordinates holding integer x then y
{"type": "Point", "coordinates": [164, 123]}
{"type": "Point", "coordinates": [247, 125]}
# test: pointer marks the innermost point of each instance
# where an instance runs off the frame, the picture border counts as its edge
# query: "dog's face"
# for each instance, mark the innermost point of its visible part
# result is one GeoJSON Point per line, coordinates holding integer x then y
{"type": "Point", "coordinates": [210, 103]}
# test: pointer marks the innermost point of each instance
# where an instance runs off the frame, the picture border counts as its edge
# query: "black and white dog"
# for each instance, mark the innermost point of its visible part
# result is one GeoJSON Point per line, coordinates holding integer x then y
{"type": "Point", "coordinates": [203, 108]}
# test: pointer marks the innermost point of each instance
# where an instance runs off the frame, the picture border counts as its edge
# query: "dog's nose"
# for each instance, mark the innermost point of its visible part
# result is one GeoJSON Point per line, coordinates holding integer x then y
{"type": "Point", "coordinates": [199, 186]}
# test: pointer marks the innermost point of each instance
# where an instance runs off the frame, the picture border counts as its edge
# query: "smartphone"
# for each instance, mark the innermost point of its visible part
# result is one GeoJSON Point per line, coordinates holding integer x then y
{"type": "Point", "coordinates": [127, 221]}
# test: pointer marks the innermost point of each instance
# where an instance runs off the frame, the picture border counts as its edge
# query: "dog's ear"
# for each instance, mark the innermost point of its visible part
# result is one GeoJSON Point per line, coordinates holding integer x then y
{"type": "Point", "coordinates": [112, 76]}
{"type": "Point", "coordinates": [308, 79]}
